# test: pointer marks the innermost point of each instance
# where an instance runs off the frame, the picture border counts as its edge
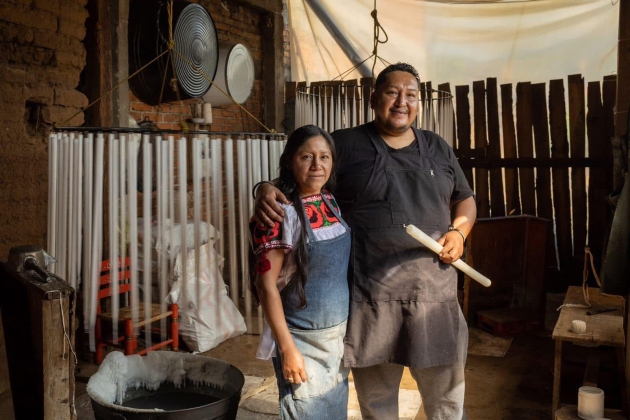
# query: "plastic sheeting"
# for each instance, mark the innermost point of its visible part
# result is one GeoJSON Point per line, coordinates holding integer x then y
{"type": "Point", "coordinates": [457, 42]}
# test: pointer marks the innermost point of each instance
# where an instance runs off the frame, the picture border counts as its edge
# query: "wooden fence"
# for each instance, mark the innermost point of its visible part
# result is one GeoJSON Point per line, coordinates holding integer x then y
{"type": "Point", "coordinates": [541, 149]}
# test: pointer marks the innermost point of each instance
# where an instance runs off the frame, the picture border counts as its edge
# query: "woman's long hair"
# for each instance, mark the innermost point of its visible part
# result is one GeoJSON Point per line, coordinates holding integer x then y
{"type": "Point", "coordinates": [293, 294]}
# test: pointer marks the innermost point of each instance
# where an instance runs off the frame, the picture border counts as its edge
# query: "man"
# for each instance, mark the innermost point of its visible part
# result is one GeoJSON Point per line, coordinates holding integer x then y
{"type": "Point", "coordinates": [404, 309]}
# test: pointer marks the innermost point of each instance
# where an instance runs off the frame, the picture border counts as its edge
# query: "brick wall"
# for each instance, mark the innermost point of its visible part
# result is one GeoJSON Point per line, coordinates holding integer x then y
{"type": "Point", "coordinates": [235, 24]}
{"type": "Point", "coordinates": [41, 58]}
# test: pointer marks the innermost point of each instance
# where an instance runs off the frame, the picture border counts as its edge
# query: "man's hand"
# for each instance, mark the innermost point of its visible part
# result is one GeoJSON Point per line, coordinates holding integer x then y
{"type": "Point", "coordinates": [266, 209]}
{"type": "Point", "coordinates": [453, 244]}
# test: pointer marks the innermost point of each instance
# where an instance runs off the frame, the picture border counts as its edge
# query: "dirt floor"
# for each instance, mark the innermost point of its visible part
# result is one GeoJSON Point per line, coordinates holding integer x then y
{"type": "Point", "coordinates": [515, 386]}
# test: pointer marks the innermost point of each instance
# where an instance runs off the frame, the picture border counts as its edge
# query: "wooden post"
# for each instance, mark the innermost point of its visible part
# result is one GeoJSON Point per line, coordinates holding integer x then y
{"type": "Point", "coordinates": [481, 142]}
{"type": "Point", "coordinates": [623, 69]}
{"type": "Point", "coordinates": [98, 72]}
{"type": "Point", "coordinates": [540, 122]}
{"type": "Point", "coordinates": [598, 189]}
{"type": "Point", "coordinates": [36, 317]}
{"type": "Point", "coordinates": [273, 72]}
{"type": "Point", "coordinates": [544, 207]}
{"type": "Point", "coordinates": [462, 108]}
{"type": "Point", "coordinates": [559, 149]}
{"type": "Point", "coordinates": [525, 145]}
{"type": "Point", "coordinates": [289, 106]}
{"type": "Point", "coordinates": [512, 197]}
{"type": "Point", "coordinates": [497, 201]}
{"type": "Point", "coordinates": [557, 376]}
{"type": "Point", "coordinates": [621, 123]}
{"type": "Point", "coordinates": [577, 137]}
{"type": "Point", "coordinates": [609, 89]}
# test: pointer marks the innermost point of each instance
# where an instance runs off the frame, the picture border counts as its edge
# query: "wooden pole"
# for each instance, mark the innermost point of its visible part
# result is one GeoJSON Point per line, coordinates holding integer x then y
{"type": "Point", "coordinates": [621, 123]}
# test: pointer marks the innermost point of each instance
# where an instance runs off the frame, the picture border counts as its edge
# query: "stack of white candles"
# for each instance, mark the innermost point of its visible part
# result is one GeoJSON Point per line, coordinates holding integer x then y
{"type": "Point", "coordinates": [221, 197]}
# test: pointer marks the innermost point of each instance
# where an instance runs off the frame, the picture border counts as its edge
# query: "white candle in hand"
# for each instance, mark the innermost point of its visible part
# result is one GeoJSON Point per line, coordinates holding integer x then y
{"type": "Point", "coordinates": [430, 243]}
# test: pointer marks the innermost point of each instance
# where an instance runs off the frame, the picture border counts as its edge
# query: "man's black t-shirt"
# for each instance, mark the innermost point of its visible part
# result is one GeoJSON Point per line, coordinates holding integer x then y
{"type": "Point", "coordinates": [356, 155]}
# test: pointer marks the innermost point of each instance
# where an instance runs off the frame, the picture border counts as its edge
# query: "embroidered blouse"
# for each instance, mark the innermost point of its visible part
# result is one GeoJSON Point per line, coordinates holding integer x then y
{"type": "Point", "coordinates": [284, 235]}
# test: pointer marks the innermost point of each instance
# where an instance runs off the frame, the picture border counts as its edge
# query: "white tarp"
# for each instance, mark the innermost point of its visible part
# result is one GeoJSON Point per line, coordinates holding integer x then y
{"type": "Point", "coordinates": [459, 41]}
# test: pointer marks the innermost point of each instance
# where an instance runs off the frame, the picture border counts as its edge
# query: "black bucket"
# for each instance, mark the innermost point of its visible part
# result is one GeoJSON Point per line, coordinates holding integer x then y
{"type": "Point", "coordinates": [195, 38]}
{"type": "Point", "coordinates": [213, 400]}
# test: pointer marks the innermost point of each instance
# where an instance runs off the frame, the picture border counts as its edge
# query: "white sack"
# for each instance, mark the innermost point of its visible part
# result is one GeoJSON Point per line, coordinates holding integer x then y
{"type": "Point", "coordinates": [217, 318]}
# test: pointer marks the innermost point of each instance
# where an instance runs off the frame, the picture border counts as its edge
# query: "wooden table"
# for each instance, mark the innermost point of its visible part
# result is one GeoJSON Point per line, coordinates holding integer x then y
{"type": "Point", "coordinates": [604, 329]}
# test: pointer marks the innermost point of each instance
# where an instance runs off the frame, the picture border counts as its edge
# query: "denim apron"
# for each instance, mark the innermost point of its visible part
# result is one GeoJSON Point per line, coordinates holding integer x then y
{"type": "Point", "coordinates": [318, 332]}
{"type": "Point", "coordinates": [403, 306]}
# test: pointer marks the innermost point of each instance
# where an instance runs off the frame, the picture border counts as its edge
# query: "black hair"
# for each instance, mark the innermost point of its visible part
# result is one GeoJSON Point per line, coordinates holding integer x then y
{"type": "Point", "coordinates": [293, 294]}
{"type": "Point", "coordinates": [408, 68]}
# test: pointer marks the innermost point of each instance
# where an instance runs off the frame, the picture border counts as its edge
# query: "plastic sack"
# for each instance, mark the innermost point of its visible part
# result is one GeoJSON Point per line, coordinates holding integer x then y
{"type": "Point", "coordinates": [217, 318]}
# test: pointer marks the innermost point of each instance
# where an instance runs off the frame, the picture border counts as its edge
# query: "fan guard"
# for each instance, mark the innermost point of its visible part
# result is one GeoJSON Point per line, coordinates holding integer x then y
{"type": "Point", "coordinates": [195, 39]}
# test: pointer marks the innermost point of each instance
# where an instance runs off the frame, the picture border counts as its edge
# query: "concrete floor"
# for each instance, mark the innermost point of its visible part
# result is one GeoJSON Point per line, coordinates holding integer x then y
{"type": "Point", "coordinates": [516, 386]}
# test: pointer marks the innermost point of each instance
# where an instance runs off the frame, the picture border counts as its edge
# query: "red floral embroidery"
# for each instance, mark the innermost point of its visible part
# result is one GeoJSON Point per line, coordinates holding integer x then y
{"type": "Point", "coordinates": [263, 265]}
{"type": "Point", "coordinates": [265, 234]}
{"type": "Point", "coordinates": [314, 217]}
{"type": "Point", "coordinates": [330, 216]}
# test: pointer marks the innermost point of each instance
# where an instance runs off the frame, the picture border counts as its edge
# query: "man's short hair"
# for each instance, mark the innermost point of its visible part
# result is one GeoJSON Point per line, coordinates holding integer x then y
{"type": "Point", "coordinates": [408, 68]}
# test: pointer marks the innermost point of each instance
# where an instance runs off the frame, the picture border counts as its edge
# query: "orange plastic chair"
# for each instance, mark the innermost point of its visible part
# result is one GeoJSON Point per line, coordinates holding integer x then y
{"type": "Point", "coordinates": [128, 342]}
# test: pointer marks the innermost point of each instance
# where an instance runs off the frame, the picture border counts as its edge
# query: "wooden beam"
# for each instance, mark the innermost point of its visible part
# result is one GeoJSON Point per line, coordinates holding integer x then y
{"type": "Point", "coordinates": [98, 71]}
{"type": "Point", "coordinates": [268, 6]}
{"type": "Point", "coordinates": [554, 162]}
{"type": "Point", "coordinates": [273, 72]}
{"type": "Point", "coordinates": [290, 89]}
{"type": "Point", "coordinates": [119, 11]}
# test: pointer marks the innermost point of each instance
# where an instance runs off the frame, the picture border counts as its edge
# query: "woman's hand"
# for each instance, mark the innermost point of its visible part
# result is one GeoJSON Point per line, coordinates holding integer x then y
{"type": "Point", "coordinates": [266, 209]}
{"type": "Point", "coordinates": [453, 244]}
{"type": "Point", "coordinates": [293, 365]}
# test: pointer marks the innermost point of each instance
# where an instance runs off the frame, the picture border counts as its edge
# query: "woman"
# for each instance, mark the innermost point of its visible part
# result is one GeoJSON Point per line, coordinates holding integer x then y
{"type": "Point", "coordinates": [300, 279]}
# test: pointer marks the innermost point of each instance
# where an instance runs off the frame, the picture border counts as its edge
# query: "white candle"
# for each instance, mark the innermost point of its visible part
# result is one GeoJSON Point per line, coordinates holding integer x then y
{"type": "Point", "coordinates": [147, 188]}
{"type": "Point", "coordinates": [207, 113]}
{"type": "Point", "coordinates": [183, 215]}
{"type": "Point", "coordinates": [53, 181]}
{"type": "Point", "coordinates": [229, 173]}
{"type": "Point", "coordinates": [132, 188]}
{"type": "Point", "coordinates": [427, 241]}
{"type": "Point", "coordinates": [197, 161]}
{"type": "Point", "coordinates": [97, 235]}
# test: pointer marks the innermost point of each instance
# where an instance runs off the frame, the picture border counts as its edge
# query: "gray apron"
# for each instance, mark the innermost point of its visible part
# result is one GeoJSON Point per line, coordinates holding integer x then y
{"type": "Point", "coordinates": [318, 332]}
{"type": "Point", "coordinates": [403, 306]}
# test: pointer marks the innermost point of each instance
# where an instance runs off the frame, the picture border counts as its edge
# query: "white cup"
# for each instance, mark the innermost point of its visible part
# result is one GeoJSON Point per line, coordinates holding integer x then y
{"type": "Point", "coordinates": [590, 403]}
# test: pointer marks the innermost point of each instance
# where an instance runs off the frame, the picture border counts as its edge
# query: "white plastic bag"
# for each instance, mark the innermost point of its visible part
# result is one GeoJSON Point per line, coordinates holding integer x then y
{"type": "Point", "coordinates": [217, 318]}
